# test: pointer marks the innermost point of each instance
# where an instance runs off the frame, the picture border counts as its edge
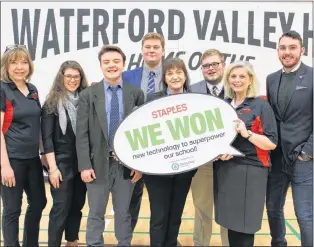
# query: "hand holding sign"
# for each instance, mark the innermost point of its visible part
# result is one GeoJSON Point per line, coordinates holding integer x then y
{"type": "Point", "coordinates": [241, 128]}
{"type": "Point", "coordinates": [176, 134]}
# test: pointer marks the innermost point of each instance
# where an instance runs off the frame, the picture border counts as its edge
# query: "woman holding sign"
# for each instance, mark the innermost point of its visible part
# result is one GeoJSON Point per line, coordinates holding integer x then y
{"type": "Point", "coordinates": [59, 135]}
{"type": "Point", "coordinates": [240, 182]}
{"type": "Point", "coordinates": [167, 194]}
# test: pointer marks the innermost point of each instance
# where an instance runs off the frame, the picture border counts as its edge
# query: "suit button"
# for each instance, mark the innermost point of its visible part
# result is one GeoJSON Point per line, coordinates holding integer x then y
{"type": "Point", "coordinates": [281, 122]}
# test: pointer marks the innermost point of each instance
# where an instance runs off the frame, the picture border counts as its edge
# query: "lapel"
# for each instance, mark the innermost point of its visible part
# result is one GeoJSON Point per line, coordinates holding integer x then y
{"type": "Point", "coordinates": [100, 106]}
{"type": "Point", "coordinates": [162, 93]}
{"type": "Point", "coordinates": [222, 93]}
{"type": "Point", "coordinates": [275, 84]}
{"type": "Point", "coordinates": [205, 89]}
{"type": "Point", "coordinates": [297, 80]}
{"type": "Point", "coordinates": [128, 99]}
{"type": "Point", "coordinates": [203, 86]}
{"type": "Point", "coordinates": [138, 77]}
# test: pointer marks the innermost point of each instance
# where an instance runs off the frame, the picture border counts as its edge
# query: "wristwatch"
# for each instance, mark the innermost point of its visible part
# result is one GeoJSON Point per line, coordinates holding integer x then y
{"type": "Point", "coordinates": [249, 135]}
{"type": "Point", "coordinates": [305, 156]}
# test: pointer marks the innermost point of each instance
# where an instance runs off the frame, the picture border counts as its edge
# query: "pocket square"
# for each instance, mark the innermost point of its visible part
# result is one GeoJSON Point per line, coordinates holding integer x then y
{"type": "Point", "coordinates": [300, 87]}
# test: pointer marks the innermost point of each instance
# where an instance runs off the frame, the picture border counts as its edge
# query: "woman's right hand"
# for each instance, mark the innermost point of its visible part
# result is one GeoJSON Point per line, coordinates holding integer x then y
{"type": "Point", "coordinates": [7, 176]}
{"type": "Point", "coordinates": [55, 177]}
{"type": "Point", "coordinates": [224, 157]}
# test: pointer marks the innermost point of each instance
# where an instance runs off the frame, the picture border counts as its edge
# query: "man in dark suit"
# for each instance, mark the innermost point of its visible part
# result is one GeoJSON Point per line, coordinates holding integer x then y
{"type": "Point", "coordinates": [101, 108]}
{"type": "Point", "coordinates": [290, 93]}
{"type": "Point", "coordinates": [212, 65]}
{"type": "Point", "coordinates": [147, 78]}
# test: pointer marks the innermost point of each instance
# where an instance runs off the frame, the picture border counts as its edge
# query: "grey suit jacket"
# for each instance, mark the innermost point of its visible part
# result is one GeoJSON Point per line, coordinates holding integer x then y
{"type": "Point", "coordinates": [201, 87]}
{"type": "Point", "coordinates": [92, 129]}
{"type": "Point", "coordinates": [295, 123]}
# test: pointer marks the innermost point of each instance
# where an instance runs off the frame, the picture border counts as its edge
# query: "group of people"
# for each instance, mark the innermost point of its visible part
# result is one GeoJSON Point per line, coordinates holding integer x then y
{"type": "Point", "coordinates": [71, 136]}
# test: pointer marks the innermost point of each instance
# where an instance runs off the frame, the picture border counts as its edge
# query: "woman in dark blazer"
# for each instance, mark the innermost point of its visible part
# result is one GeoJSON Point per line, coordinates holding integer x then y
{"type": "Point", "coordinates": [167, 194]}
{"type": "Point", "coordinates": [58, 127]}
{"type": "Point", "coordinates": [240, 182]}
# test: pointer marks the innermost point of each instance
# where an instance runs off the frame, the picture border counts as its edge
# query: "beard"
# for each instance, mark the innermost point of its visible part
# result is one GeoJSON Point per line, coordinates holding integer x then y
{"type": "Point", "coordinates": [291, 64]}
{"type": "Point", "coordinates": [213, 80]}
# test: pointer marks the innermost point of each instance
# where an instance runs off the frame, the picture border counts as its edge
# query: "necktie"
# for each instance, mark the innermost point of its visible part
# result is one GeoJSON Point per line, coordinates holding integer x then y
{"type": "Point", "coordinates": [284, 89]}
{"type": "Point", "coordinates": [114, 115]}
{"type": "Point", "coordinates": [215, 93]}
{"type": "Point", "coordinates": [151, 83]}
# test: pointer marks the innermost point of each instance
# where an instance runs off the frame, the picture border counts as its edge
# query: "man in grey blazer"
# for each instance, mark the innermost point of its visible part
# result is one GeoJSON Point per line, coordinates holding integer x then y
{"type": "Point", "coordinates": [212, 65]}
{"type": "Point", "coordinates": [290, 93]}
{"type": "Point", "coordinates": [101, 108]}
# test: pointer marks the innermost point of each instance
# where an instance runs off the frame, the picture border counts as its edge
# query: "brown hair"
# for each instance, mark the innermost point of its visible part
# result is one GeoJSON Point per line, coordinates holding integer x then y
{"type": "Point", "coordinates": [213, 52]}
{"type": "Point", "coordinates": [154, 36]}
{"type": "Point", "coordinates": [108, 48]}
{"type": "Point", "coordinates": [58, 91]}
{"type": "Point", "coordinates": [175, 63]}
{"type": "Point", "coordinates": [15, 54]}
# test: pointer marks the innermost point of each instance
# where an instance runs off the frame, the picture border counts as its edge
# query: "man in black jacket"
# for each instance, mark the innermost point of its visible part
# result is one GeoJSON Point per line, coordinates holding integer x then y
{"type": "Point", "coordinates": [290, 93]}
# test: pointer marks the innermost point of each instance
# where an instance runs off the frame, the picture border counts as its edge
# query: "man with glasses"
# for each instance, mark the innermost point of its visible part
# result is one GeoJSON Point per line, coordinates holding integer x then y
{"type": "Point", "coordinates": [212, 65]}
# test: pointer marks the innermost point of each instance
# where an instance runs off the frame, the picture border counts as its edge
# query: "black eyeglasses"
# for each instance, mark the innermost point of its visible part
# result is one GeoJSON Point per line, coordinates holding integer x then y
{"type": "Point", "coordinates": [208, 65]}
{"type": "Point", "coordinates": [12, 47]}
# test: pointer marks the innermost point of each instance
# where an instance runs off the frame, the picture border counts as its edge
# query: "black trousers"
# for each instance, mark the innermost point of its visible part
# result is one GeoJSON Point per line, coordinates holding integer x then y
{"type": "Point", "coordinates": [167, 196]}
{"type": "Point", "coordinates": [66, 214]}
{"type": "Point", "coordinates": [237, 239]}
{"type": "Point", "coordinates": [136, 201]}
{"type": "Point", "coordinates": [29, 178]}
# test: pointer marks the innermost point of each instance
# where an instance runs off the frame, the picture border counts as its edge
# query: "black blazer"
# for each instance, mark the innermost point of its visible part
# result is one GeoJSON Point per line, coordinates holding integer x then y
{"type": "Point", "coordinates": [295, 124]}
{"type": "Point", "coordinates": [54, 141]}
{"type": "Point", "coordinates": [155, 96]}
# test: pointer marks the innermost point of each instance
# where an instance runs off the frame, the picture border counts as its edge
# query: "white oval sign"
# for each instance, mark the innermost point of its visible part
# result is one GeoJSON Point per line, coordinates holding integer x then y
{"type": "Point", "coordinates": [175, 134]}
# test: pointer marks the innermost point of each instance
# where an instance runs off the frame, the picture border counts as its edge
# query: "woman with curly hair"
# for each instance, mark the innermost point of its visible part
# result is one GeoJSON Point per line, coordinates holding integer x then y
{"type": "Point", "coordinates": [58, 132]}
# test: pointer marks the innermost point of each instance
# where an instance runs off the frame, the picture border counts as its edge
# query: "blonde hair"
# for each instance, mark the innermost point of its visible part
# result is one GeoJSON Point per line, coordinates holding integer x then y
{"type": "Point", "coordinates": [154, 36]}
{"type": "Point", "coordinates": [15, 54]}
{"type": "Point", "coordinates": [213, 52]}
{"type": "Point", "coordinates": [253, 88]}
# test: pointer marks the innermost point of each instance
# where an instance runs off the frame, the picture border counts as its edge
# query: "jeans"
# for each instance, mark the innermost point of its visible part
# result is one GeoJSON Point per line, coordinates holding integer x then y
{"type": "Point", "coordinates": [300, 176]}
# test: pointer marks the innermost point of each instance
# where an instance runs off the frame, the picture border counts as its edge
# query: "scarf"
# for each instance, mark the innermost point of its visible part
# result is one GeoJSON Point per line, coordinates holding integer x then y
{"type": "Point", "coordinates": [69, 104]}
